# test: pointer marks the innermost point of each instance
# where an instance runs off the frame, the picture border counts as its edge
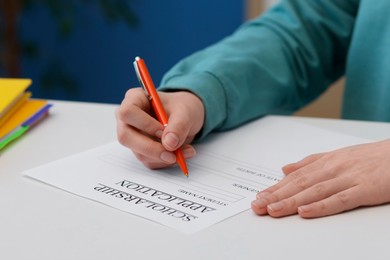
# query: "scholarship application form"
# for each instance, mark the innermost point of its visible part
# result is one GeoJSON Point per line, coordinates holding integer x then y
{"type": "Point", "coordinates": [224, 177]}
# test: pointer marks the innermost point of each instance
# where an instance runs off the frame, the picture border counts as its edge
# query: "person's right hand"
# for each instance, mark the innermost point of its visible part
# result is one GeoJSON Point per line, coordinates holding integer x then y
{"type": "Point", "coordinates": [151, 142]}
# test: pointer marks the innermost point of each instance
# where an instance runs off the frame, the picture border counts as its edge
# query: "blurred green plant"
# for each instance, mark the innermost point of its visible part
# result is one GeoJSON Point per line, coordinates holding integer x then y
{"type": "Point", "coordinates": [66, 14]}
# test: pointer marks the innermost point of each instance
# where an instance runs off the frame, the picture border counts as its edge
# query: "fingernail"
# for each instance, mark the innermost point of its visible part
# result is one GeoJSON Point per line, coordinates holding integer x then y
{"type": "Point", "coordinates": [304, 209]}
{"type": "Point", "coordinates": [189, 152]}
{"type": "Point", "coordinates": [277, 206]}
{"type": "Point", "coordinates": [171, 140]}
{"type": "Point", "coordinates": [262, 195]}
{"type": "Point", "coordinates": [260, 204]}
{"type": "Point", "coordinates": [168, 157]}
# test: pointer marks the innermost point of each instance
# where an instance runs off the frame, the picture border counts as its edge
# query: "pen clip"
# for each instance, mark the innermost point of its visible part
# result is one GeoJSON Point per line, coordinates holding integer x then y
{"type": "Point", "coordinates": [139, 76]}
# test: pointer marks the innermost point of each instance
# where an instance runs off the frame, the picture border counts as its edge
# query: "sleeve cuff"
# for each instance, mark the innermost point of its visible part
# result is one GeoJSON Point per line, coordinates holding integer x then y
{"type": "Point", "coordinates": [208, 88]}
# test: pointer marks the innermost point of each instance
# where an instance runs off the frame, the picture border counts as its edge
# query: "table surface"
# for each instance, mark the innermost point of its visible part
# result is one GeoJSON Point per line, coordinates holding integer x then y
{"type": "Point", "coordinates": [38, 221]}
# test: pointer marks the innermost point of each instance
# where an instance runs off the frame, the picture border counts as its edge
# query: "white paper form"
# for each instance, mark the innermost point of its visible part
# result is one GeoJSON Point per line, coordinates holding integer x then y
{"type": "Point", "coordinates": [224, 177]}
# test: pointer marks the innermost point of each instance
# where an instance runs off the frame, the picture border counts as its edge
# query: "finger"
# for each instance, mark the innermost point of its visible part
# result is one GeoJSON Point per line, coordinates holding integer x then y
{"type": "Point", "coordinates": [307, 166]}
{"type": "Point", "coordinates": [289, 168]}
{"type": "Point", "coordinates": [337, 203]}
{"type": "Point", "coordinates": [290, 186]}
{"type": "Point", "coordinates": [313, 194]}
{"type": "Point", "coordinates": [153, 164]}
{"type": "Point", "coordinates": [259, 205]}
{"type": "Point", "coordinates": [134, 111]}
{"type": "Point", "coordinates": [188, 153]}
{"type": "Point", "coordinates": [146, 148]}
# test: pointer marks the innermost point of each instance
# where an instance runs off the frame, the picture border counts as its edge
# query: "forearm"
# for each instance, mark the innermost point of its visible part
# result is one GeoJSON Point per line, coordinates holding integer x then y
{"type": "Point", "coordinates": [277, 62]}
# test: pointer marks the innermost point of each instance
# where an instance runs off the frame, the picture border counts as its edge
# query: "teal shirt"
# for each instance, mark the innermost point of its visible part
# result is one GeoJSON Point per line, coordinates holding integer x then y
{"type": "Point", "coordinates": [287, 57]}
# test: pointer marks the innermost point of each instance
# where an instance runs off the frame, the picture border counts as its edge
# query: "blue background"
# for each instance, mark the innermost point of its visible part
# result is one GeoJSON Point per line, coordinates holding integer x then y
{"type": "Point", "coordinates": [98, 54]}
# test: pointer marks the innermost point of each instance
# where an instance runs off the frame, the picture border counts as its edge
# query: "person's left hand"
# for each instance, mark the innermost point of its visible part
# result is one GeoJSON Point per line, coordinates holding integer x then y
{"type": "Point", "coordinates": [330, 183]}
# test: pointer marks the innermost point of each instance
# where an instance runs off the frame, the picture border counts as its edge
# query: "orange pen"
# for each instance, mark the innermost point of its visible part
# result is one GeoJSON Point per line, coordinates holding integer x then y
{"type": "Point", "coordinates": [147, 84]}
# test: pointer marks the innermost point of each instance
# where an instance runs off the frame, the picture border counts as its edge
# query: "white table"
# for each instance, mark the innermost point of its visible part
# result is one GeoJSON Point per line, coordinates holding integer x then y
{"type": "Point", "coordinates": [38, 221]}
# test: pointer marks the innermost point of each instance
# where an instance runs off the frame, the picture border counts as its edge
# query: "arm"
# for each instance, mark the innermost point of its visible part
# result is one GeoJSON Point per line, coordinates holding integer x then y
{"type": "Point", "coordinates": [273, 64]}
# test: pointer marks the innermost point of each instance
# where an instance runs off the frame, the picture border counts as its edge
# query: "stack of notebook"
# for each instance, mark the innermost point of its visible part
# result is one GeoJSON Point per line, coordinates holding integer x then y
{"type": "Point", "coordinates": [18, 112]}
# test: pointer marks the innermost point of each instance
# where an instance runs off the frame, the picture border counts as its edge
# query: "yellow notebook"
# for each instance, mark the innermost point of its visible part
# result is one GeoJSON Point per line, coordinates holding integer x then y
{"type": "Point", "coordinates": [14, 108]}
{"type": "Point", "coordinates": [11, 91]}
{"type": "Point", "coordinates": [26, 111]}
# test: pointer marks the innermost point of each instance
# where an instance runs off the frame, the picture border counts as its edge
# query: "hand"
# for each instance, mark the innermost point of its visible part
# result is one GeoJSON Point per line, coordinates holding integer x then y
{"type": "Point", "coordinates": [151, 143]}
{"type": "Point", "coordinates": [330, 183]}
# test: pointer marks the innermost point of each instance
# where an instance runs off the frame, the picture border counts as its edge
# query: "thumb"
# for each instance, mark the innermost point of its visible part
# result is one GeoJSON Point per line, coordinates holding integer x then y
{"type": "Point", "coordinates": [186, 115]}
{"type": "Point", "coordinates": [176, 132]}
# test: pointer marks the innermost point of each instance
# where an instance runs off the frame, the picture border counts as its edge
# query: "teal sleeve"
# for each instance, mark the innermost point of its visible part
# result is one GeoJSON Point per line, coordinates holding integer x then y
{"type": "Point", "coordinates": [275, 63]}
